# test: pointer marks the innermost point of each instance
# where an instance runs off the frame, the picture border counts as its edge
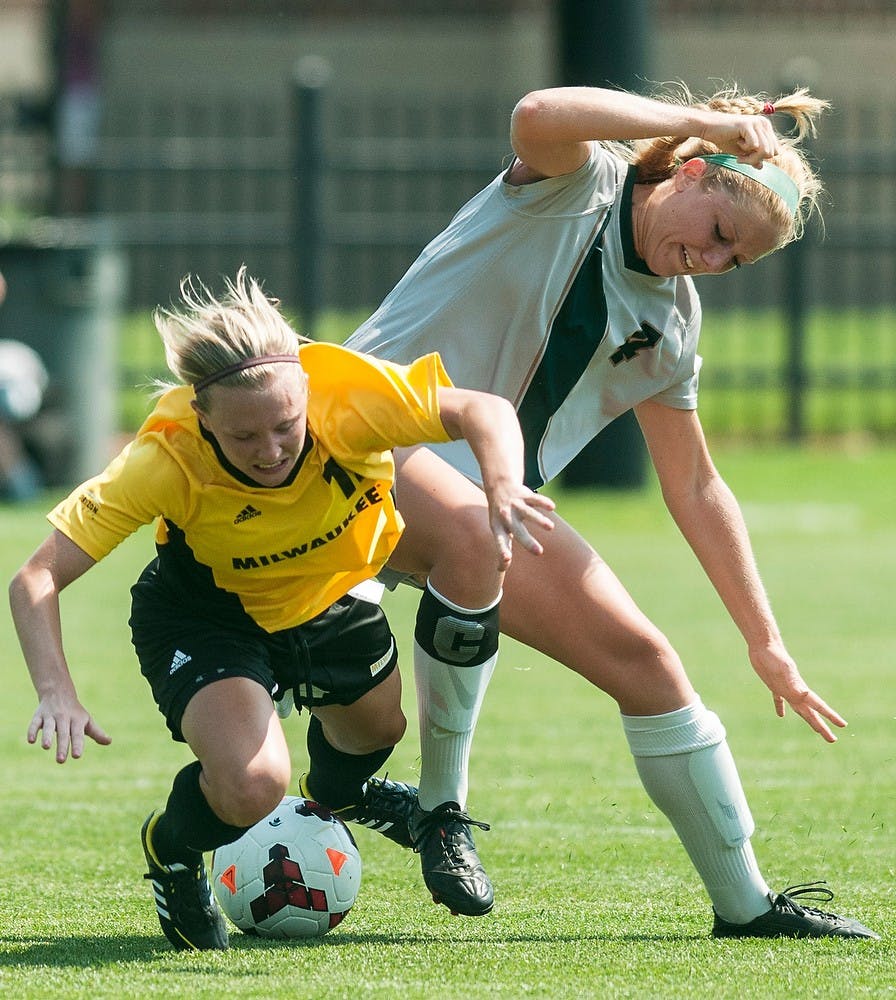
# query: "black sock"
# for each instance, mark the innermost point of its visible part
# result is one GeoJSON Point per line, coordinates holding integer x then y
{"type": "Point", "coordinates": [336, 779]}
{"type": "Point", "coordinates": [189, 826]}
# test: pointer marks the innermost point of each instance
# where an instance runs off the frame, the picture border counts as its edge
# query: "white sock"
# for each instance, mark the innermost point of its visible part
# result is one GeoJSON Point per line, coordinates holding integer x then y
{"type": "Point", "coordinates": [455, 651]}
{"type": "Point", "coordinates": [688, 771]}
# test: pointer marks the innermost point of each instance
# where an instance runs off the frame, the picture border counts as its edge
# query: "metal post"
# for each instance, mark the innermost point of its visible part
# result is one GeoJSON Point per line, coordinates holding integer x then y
{"type": "Point", "coordinates": [312, 76]}
{"type": "Point", "coordinates": [799, 71]}
{"type": "Point", "coordinates": [604, 44]}
{"type": "Point", "coordinates": [795, 311]}
{"type": "Point", "coordinates": [607, 44]}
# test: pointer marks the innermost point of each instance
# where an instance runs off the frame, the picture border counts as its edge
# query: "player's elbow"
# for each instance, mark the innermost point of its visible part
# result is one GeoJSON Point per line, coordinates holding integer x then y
{"type": "Point", "coordinates": [21, 588]}
{"type": "Point", "coordinates": [527, 116]}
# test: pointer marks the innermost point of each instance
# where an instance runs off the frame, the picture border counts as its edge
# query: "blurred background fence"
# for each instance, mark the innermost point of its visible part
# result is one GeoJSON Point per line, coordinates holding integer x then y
{"type": "Point", "coordinates": [330, 195]}
{"type": "Point", "coordinates": [329, 189]}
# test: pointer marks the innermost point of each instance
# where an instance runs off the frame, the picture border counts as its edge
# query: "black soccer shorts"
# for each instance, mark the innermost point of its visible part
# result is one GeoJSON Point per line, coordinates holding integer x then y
{"type": "Point", "coordinates": [333, 659]}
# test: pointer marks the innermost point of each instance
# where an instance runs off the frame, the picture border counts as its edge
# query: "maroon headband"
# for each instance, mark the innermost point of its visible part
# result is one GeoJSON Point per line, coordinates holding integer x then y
{"type": "Point", "coordinates": [241, 366]}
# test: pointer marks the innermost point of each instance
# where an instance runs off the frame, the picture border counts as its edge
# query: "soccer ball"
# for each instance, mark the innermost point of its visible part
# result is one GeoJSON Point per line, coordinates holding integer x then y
{"type": "Point", "coordinates": [295, 874]}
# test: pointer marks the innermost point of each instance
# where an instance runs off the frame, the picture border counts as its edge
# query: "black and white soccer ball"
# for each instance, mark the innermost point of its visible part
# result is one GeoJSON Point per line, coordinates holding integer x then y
{"type": "Point", "coordinates": [295, 874]}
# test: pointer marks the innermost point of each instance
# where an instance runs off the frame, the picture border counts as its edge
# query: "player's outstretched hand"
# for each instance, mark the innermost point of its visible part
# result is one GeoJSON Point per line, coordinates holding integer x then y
{"type": "Point", "coordinates": [782, 677]}
{"type": "Point", "coordinates": [68, 722]}
{"type": "Point", "coordinates": [512, 515]}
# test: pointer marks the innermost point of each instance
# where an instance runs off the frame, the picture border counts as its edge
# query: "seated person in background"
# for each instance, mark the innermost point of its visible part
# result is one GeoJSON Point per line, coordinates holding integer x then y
{"type": "Point", "coordinates": [23, 381]}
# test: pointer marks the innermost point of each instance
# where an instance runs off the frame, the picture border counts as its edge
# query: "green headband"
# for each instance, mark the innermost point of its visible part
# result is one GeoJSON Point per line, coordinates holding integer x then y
{"type": "Point", "coordinates": [770, 176]}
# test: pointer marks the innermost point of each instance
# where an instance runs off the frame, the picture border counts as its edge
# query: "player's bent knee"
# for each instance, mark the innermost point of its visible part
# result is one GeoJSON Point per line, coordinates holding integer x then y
{"type": "Point", "coordinates": [254, 793]}
{"type": "Point", "coordinates": [472, 544]}
{"type": "Point", "coordinates": [645, 676]}
{"type": "Point", "coordinates": [650, 646]}
{"type": "Point", "coordinates": [391, 733]}
{"type": "Point", "coordinates": [387, 733]}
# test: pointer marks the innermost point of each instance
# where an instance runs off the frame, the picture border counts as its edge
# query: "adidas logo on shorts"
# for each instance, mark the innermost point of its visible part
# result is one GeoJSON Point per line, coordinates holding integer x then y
{"type": "Point", "coordinates": [179, 660]}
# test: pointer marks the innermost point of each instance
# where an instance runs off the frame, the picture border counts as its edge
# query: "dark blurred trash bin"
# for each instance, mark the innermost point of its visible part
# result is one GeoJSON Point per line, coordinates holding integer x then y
{"type": "Point", "coordinates": [66, 284]}
{"type": "Point", "coordinates": [615, 459]}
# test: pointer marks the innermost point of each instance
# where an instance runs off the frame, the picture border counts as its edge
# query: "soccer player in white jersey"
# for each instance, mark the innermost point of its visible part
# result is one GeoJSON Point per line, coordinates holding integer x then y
{"type": "Point", "coordinates": [268, 474]}
{"type": "Point", "coordinates": [565, 286]}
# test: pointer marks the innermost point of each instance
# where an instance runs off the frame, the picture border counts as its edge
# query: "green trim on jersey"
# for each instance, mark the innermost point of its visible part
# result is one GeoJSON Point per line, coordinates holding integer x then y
{"type": "Point", "coordinates": [576, 333]}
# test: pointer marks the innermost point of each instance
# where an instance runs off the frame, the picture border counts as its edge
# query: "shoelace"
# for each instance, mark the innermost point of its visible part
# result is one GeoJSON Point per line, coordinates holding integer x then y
{"type": "Point", "coordinates": [443, 818]}
{"type": "Point", "coordinates": [816, 891]}
{"type": "Point", "coordinates": [380, 797]}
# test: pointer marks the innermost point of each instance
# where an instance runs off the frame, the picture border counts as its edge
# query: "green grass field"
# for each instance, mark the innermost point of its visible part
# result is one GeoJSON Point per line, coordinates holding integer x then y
{"type": "Point", "coordinates": [850, 359]}
{"type": "Point", "coordinates": [595, 898]}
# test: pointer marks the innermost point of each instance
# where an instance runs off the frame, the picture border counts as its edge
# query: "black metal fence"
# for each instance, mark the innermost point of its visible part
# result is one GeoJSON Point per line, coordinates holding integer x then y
{"type": "Point", "coordinates": [330, 196]}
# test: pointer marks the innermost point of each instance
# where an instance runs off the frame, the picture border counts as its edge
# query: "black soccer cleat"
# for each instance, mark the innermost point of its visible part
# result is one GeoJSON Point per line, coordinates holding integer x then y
{"type": "Point", "coordinates": [386, 807]}
{"type": "Point", "coordinates": [787, 918]}
{"type": "Point", "coordinates": [188, 913]}
{"type": "Point", "coordinates": [452, 870]}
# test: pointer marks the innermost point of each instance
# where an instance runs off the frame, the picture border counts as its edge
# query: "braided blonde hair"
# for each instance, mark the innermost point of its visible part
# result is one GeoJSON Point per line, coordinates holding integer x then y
{"type": "Point", "coordinates": [658, 159]}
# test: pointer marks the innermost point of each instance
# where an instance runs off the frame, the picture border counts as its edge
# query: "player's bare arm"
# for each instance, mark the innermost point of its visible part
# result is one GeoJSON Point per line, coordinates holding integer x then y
{"type": "Point", "coordinates": [709, 517]}
{"type": "Point", "coordinates": [34, 602]}
{"type": "Point", "coordinates": [551, 130]}
{"type": "Point", "coordinates": [490, 426]}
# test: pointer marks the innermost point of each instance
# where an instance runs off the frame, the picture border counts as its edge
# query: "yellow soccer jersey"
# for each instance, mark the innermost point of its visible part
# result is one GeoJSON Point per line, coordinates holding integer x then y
{"type": "Point", "coordinates": [285, 553]}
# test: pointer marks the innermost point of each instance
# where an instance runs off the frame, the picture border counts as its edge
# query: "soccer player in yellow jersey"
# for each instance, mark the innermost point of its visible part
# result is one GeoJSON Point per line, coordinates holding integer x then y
{"type": "Point", "coordinates": [268, 471]}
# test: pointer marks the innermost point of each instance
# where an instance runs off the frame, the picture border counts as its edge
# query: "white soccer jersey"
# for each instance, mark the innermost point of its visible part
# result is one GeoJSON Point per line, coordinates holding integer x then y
{"type": "Point", "coordinates": [535, 292]}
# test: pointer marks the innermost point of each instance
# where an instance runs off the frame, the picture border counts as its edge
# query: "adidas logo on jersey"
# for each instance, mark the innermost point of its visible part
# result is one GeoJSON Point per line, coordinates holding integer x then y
{"type": "Point", "coordinates": [246, 514]}
{"type": "Point", "coordinates": [178, 661]}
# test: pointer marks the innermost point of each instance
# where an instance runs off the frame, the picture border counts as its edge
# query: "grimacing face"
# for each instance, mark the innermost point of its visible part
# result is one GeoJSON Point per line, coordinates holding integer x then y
{"type": "Point", "coordinates": [682, 226]}
{"type": "Point", "coordinates": [261, 429]}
